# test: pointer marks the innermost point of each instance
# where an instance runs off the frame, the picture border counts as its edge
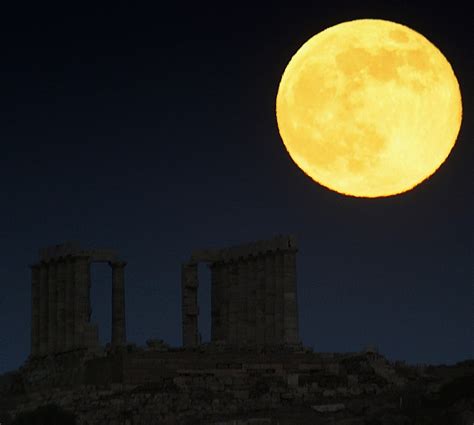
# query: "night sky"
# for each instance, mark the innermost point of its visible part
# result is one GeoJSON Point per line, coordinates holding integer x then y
{"type": "Point", "coordinates": [153, 131]}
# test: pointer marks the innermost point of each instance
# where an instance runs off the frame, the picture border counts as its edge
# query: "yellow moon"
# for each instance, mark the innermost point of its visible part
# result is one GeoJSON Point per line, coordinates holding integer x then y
{"type": "Point", "coordinates": [369, 108]}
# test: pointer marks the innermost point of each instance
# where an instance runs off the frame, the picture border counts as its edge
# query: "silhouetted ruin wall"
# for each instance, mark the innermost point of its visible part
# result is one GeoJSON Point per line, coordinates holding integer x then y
{"type": "Point", "coordinates": [60, 295]}
{"type": "Point", "coordinates": [253, 294]}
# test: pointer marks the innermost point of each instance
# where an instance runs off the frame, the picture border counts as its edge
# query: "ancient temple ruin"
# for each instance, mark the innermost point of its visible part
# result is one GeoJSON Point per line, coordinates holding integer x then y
{"type": "Point", "coordinates": [253, 294]}
{"type": "Point", "coordinates": [61, 307]}
{"type": "Point", "coordinates": [255, 364]}
{"type": "Point", "coordinates": [253, 297]}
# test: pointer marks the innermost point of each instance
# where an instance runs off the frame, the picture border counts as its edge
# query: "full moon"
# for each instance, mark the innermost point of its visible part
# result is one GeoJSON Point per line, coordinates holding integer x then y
{"type": "Point", "coordinates": [369, 108]}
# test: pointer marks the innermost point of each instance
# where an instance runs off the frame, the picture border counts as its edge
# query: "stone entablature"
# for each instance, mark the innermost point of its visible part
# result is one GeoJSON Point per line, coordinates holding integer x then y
{"type": "Point", "coordinates": [69, 249]}
{"type": "Point", "coordinates": [254, 249]}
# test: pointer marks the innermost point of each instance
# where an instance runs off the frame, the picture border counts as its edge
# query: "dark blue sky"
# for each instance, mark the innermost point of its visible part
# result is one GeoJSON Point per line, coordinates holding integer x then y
{"type": "Point", "coordinates": [153, 131]}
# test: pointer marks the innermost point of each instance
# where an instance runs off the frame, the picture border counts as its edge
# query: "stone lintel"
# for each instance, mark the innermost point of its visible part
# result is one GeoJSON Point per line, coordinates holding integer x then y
{"type": "Point", "coordinates": [73, 249]}
{"type": "Point", "coordinates": [60, 250]}
{"type": "Point", "coordinates": [235, 253]}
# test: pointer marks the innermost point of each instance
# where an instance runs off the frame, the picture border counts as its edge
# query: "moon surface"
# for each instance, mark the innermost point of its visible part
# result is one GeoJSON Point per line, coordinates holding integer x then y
{"type": "Point", "coordinates": [369, 108]}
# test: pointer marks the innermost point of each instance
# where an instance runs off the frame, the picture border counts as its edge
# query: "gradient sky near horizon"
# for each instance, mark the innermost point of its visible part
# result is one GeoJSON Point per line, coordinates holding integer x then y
{"type": "Point", "coordinates": [153, 131]}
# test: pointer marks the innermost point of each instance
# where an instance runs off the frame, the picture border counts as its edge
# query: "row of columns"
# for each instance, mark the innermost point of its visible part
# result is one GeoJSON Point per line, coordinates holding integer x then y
{"type": "Point", "coordinates": [253, 300]}
{"type": "Point", "coordinates": [61, 308]}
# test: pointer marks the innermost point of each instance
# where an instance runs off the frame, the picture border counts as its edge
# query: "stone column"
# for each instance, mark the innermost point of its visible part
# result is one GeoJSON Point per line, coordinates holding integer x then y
{"type": "Point", "coordinates": [189, 304]}
{"type": "Point", "coordinates": [118, 304]}
{"type": "Point", "coordinates": [61, 302]}
{"type": "Point", "coordinates": [81, 300]}
{"type": "Point", "coordinates": [269, 297]}
{"type": "Point", "coordinates": [260, 319]}
{"type": "Point", "coordinates": [278, 298]}
{"type": "Point", "coordinates": [251, 300]}
{"type": "Point", "coordinates": [242, 281]}
{"type": "Point", "coordinates": [35, 310]}
{"type": "Point", "coordinates": [53, 307]}
{"type": "Point", "coordinates": [225, 300]}
{"type": "Point", "coordinates": [217, 301]}
{"type": "Point", "coordinates": [232, 274]}
{"type": "Point", "coordinates": [290, 326]}
{"type": "Point", "coordinates": [44, 310]}
{"type": "Point", "coordinates": [214, 304]}
{"type": "Point", "coordinates": [69, 301]}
